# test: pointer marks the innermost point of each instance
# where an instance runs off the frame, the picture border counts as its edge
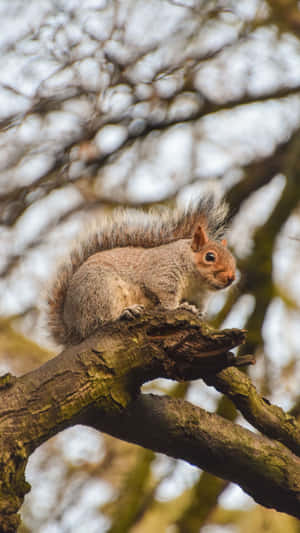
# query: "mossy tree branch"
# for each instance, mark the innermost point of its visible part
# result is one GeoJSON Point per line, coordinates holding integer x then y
{"type": "Point", "coordinates": [97, 383]}
{"type": "Point", "coordinates": [269, 419]}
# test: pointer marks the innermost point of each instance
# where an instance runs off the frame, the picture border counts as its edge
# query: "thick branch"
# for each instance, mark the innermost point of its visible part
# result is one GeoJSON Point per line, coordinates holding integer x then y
{"type": "Point", "coordinates": [97, 383]}
{"type": "Point", "coordinates": [264, 468]}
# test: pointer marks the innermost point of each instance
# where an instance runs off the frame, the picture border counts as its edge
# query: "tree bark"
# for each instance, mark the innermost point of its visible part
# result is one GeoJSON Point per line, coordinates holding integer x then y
{"type": "Point", "coordinates": [97, 383]}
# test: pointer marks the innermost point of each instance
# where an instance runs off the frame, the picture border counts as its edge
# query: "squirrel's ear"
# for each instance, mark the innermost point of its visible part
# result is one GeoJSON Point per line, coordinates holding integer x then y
{"type": "Point", "coordinates": [224, 242]}
{"type": "Point", "coordinates": [199, 238]}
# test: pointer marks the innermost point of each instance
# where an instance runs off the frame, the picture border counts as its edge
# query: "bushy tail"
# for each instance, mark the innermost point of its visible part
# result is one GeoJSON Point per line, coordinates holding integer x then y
{"type": "Point", "coordinates": [137, 228]}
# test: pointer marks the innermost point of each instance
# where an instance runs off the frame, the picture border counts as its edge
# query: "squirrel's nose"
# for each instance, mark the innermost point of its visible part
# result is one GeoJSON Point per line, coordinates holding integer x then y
{"type": "Point", "coordinates": [230, 278]}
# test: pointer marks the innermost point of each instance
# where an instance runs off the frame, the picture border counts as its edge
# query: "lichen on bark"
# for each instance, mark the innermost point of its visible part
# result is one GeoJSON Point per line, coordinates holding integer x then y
{"type": "Point", "coordinates": [98, 382]}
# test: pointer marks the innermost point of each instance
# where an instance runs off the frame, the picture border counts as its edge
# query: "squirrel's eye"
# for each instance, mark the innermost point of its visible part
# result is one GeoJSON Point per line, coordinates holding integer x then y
{"type": "Point", "coordinates": [210, 256]}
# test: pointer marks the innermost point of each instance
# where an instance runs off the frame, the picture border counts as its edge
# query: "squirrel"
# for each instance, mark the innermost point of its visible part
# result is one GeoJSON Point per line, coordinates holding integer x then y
{"type": "Point", "coordinates": [137, 260]}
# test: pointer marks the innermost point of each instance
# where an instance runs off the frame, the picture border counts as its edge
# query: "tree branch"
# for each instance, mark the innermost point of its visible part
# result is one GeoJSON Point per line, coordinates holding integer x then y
{"type": "Point", "coordinates": [264, 468]}
{"type": "Point", "coordinates": [269, 419]}
{"type": "Point", "coordinates": [98, 383]}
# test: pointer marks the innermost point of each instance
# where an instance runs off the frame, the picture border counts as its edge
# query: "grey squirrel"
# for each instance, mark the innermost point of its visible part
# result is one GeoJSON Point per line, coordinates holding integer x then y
{"type": "Point", "coordinates": [138, 260]}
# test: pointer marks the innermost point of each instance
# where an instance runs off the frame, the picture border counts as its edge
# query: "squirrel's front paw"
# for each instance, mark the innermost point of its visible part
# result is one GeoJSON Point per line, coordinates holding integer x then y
{"type": "Point", "coordinates": [132, 312]}
{"type": "Point", "coordinates": [192, 308]}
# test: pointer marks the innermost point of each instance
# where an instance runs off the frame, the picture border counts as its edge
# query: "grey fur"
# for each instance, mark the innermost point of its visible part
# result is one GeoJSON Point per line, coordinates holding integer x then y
{"type": "Point", "coordinates": [133, 259]}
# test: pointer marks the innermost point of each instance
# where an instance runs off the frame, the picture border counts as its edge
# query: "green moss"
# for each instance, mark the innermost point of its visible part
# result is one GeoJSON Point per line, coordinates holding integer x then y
{"type": "Point", "coordinates": [7, 380]}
